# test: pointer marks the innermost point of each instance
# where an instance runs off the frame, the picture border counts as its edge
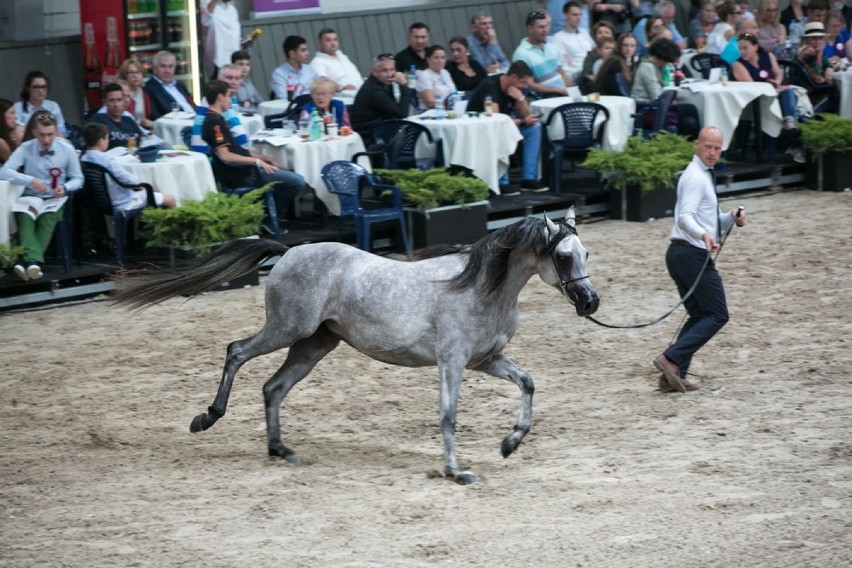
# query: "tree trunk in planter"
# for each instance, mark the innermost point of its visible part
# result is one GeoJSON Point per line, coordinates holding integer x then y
{"type": "Point", "coordinates": [452, 224]}
{"type": "Point", "coordinates": [638, 205]}
{"type": "Point", "coordinates": [831, 171]}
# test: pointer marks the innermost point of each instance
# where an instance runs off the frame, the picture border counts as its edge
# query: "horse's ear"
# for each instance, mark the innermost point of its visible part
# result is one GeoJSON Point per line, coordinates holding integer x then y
{"type": "Point", "coordinates": [570, 218]}
{"type": "Point", "coordinates": [551, 226]}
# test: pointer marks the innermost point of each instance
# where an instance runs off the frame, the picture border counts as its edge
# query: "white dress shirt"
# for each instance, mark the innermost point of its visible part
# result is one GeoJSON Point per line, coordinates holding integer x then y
{"type": "Point", "coordinates": [338, 68]}
{"type": "Point", "coordinates": [697, 208]}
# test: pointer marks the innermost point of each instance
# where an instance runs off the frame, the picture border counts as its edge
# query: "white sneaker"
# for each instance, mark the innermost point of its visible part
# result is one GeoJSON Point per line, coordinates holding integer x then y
{"type": "Point", "coordinates": [21, 272]}
{"type": "Point", "coordinates": [34, 272]}
{"type": "Point", "coordinates": [798, 155]}
{"type": "Point", "coordinates": [790, 123]}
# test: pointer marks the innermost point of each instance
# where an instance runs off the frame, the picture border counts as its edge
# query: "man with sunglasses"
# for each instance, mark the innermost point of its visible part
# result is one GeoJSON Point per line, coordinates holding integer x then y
{"type": "Point", "coordinates": [48, 168]}
{"type": "Point", "coordinates": [376, 100]}
{"type": "Point", "coordinates": [549, 77]}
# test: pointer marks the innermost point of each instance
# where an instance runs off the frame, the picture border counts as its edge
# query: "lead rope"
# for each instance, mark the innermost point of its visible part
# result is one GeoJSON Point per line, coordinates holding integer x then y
{"type": "Point", "coordinates": [682, 300]}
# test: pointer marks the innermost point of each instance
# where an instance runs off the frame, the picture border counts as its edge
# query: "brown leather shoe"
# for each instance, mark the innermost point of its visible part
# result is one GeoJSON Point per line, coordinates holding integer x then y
{"type": "Point", "coordinates": [663, 383]}
{"type": "Point", "coordinates": [670, 373]}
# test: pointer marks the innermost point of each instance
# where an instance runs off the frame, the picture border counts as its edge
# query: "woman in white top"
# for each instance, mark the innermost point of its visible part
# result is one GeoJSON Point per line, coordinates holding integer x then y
{"type": "Point", "coordinates": [435, 80]}
{"type": "Point", "coordinates": [34, 97]}
{"type": "Point", "coordinates": [729, 12]}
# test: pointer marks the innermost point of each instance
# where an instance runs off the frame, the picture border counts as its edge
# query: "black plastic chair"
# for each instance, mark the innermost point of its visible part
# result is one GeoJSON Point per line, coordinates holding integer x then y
{"type": "Point", "coordinates": [704, 62]}
{"type": "Point", "coordinates": [292, 112]}
{"type": "Point", "coordinates": [344, 179]}
{"type": "Point", "coordinates": [186, 136]}
{"type": "Point", "coordinates": [75, 136]}
{"type": "Point", "coordinates": [578, 120]}
{"type": "Point", "coordinates": [659, 106]}
{"type": "Point", "coordinates": [252, 181]}
{"type": "Point", "coordinates": [394, 145]}
{"type": "Point", "coordinates": [824, 98]}
{"type": "Point", "coordinates": [97, 196]}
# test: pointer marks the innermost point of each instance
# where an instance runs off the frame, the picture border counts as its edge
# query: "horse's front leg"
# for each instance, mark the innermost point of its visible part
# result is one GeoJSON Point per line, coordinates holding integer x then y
{"type": "Point", "coordinates": [504, 368]}
{"type": "Point", "coordinates": [451, 375]}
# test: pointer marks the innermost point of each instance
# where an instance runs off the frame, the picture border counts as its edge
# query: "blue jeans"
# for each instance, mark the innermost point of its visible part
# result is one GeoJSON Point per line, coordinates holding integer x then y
{"type": "Point", "coordinates": [707, 307]}
{"type": "Point", "coordinates": [529, 159]}
{"type": "Point", "coordinates": [288, 185]}
{"type": "Point", "coordinates": [787, 100]}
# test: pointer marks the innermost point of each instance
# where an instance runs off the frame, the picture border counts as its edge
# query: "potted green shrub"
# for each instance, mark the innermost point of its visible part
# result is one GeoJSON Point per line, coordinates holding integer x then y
{"type": "Point", "coordinates": [642, 176]}
{"type": "Point", "coordinates": [8, 256]}
{"type": "Point", "coordinates": [195, 227]}
{"type": "Point", "coordinates": [444, 206]}
{"type": "Point", "coordinates": [829, 138]}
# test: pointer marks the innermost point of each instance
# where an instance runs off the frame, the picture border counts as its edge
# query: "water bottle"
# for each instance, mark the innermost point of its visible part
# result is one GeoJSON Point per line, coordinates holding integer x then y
{"type": "Point", "coordinates": [412, 77]}
{"type": "Point", "coordinates": [439, 106]}
{"type": "Point", "coordinates": [667, 75]}
{"type": "Point", "coordinates": [304, 125]}
{"type": "Point", "coordinates": [723, 77]}
{"type": "Point", "coordinates": [316, 126]}
{"type": "Point", "coordinates": [488, 106]}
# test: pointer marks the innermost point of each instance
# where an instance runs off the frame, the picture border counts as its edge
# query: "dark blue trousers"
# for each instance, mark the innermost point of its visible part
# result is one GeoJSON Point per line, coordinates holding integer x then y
{"type": "Point", "coordinates": [707, 307]}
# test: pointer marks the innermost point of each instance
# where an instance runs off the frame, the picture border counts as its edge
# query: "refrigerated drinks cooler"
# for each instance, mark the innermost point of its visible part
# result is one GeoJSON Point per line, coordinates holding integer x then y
{"type": "Point", "coordinates": [113, 30]}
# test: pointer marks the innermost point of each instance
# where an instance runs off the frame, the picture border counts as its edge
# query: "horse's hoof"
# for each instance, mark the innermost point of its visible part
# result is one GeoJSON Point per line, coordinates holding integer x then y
{"type": "Point", "coordinates": [286, 454]}
{"type": "Point", "coordinates": [465, 478]}
{"type": "Point", "coordinates": [201, 422]}
{"type": "Point", "coordinates": [509, 445]}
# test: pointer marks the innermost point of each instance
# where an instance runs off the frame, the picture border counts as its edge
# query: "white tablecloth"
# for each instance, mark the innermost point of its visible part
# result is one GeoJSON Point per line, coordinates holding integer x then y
{"type": "Point", "coordinates": [185, 175]}
{"type": "Point", "coordinates": [9, 193]}
{"type": "Point", "coordinates": [617, 130]}
{"type": "Point", "coordinates": [278, 106]}
{"type": "Point", "coordinates": [483, 144]}
{"type": "Point", "coordinates": [168, 127]}
{"type": "Point", "coordinates": [308, 158]}
{"type": "Point", "coordinates": [844, 84]}
{"type": "Point", "coordinates": [722, 106]}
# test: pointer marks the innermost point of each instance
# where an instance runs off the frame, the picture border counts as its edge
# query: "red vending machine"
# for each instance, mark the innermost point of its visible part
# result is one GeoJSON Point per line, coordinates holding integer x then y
{"type": "Point", "coordinates": [114, 30]}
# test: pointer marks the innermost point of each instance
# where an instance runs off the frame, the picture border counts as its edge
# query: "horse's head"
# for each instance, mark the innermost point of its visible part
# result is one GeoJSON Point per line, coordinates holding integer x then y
{"type": "Point", "coordinates": [565, 268]}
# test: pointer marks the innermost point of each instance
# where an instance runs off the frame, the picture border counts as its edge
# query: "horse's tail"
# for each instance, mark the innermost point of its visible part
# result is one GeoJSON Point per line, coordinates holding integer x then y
{"type": "Point", "coordinates": [229, 262]}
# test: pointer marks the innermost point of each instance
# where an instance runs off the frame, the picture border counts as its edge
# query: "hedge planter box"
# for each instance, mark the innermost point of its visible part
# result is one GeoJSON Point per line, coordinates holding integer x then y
{"type": "Point", "coordinates": [452, 224]}
{"type": "Point", "coordinates": [831, 171]}
{"type": "Point", "coordinates": [642, 205]}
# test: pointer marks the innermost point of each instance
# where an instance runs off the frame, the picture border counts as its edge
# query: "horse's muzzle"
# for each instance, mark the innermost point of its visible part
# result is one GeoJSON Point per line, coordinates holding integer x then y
{"type": "Point", "coordinates": [587, 302]}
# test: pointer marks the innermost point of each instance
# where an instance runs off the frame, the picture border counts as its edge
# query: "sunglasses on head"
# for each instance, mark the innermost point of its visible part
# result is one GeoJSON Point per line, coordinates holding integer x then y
{"type": "Point", "coordinates": [533, 16]}
{"type": "Point", "coordinates": [45, 119]}
{"type": "Point", "coordinates": [384, 57]}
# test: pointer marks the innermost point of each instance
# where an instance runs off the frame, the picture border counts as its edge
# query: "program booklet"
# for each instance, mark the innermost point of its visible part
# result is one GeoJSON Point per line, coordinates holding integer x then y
{"type": "Point", "coordinates": [35, 207]}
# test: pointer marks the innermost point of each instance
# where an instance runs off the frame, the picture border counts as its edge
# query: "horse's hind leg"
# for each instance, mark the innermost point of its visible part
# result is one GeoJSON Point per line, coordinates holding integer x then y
{"type": "Point", "coordinates": [239, 352]}
{"type": "Point", "coordinates": [504, 368]}
{"type": "Point", "coordinates": [302, 357]}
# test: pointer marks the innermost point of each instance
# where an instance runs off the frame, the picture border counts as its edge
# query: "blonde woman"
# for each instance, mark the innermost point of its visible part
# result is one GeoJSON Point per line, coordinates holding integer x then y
{"type": "Point", "coordinates": [322, 99]}
{"type": "Point", "coordinates": [770, 31]}
{"type": "Point", "coordinates": [139, 105]}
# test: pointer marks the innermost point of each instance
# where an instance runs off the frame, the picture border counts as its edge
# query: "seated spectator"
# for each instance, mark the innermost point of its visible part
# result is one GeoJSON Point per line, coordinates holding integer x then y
{"type": "Point", "coordinates": [166, 93]}
{"type": "Point", "coordinates": [415, 54]}
{"type": "Point", "coordinates": [745, 8]}
{"type": "Point", "coordinates": [665, 10]}
{"type": "Point", "coordinates": [838, 44]}
{"type": "Point", "coordinates": [294, 77]}
{"type": "Point", "coordinates": [217, 134]}
{"type": "Point", "coordinates": [554, 8]}
{"type": "Point", "coordinates": [702, 26]}
{"type": "Point", "coordinates": [330, 62]}
{"type": "Point", "coordinates": [139, 105]}
{"type": "Point", "coordinates": [34, 98]}
{"type": "Point", "coordinates": [97, 139]}
{"type": "Point", "coordinates": [572, 43]}
{"type": "Point", "coordinates": [728, 12]}
{"type": "Point", "coordinates": [549, 77]}
{"type": "Point", "coordinates": [11, 133]}
{"type": "Point", "coordinates": [653, 26]}
{"type": "Point", "coordinates": [377, 99]}
{"type": "Point", "coordinates": [757, 65]}
{"type": "Point", "coordinates": [231, 75]}
{"type": "Point", "coordinates": [483, 44]}
{"type": "Point", "coordinates": [770, 32]}
{"type": "Point", "coordinates": [465, 72]}
{"type": "Point", "coordinates": [648, 85]}
{"type": "Point", "coordinates": [47, 167]}
{"type": "Point", "coordinates": [121, 125]}
{"type": "Point", "coordinates": [323, 101]}
{"type": "Point", "coordinates": [616, 12]}
{"type": "Point", "coordinates": [731, 52]}
{"type": "Point", "coordinates": [247, 95]}
{"type": "Point", "coordinates": [793, 19]}
{"type": "Point", "coordinates": [434, 82]}
{"type": "Point", "coordinates": [816, 10]}
{"type": "Point", "coordinates": [506, 92]}
{"type": "Point", "coordinates": [601, 31]}
{"type": "Point", "coordinates": [594, 61]}
{"type": "Point", "coordinates": [818, 69]}
{"type": "Point", "coordinates": [621, 61]}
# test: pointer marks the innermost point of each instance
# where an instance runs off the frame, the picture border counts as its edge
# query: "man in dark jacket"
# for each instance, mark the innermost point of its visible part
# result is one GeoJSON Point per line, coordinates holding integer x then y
{"type": "Point", "coordinates": [383, 96]}
{"type": "Point", "coordinates": [164, 90]}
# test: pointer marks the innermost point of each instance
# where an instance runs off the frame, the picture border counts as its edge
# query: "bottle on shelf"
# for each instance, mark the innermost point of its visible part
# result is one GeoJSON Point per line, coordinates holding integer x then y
{"type": "Point", "coordinates": [113, 49]}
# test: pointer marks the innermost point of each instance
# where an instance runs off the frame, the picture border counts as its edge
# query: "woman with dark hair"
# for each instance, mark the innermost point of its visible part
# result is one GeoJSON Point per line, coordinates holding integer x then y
{"type": "Point", "coordinates": [434, 81]}
{"type": "Point", "coordinates": [465, 72]}
{"type": "Point", "coordinates": [11, 133]}
{"type": "Point", "coordinates": [34, 97]}
{"type": "Point", "coordinates": [621, 61]}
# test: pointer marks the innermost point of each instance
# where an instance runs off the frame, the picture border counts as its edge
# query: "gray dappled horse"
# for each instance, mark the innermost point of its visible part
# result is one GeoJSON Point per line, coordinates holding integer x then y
{"type": "Point", "coordinates": [454, 307]}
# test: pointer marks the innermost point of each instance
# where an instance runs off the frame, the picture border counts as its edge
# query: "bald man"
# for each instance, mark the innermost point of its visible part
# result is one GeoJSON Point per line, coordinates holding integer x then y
{"type": "Point", "coordinates": [697, 234]}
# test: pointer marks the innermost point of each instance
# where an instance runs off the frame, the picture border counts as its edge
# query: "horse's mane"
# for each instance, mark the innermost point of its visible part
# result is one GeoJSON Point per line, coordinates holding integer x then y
{"type": "Point", "coordinates": [491, 253]}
